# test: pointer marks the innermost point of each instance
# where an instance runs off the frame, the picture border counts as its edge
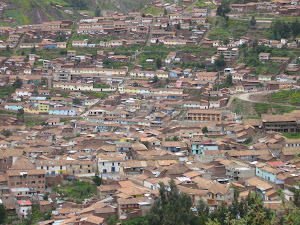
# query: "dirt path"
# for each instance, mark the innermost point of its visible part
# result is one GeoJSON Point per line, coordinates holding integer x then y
{"type": "Point", "coordinates": [251, 98]}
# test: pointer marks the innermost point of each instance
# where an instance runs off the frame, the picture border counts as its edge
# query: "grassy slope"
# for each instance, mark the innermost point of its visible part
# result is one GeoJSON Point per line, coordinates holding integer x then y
{"type": "Point", "coordinates": [25, 11]}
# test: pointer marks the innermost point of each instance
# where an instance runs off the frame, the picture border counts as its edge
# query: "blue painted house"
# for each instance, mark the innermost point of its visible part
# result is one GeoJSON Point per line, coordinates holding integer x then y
{"type": "Point", "coordinates": [13, 106]}
{"type": "Point", "coordinates": [266, 172]}
{"type": "Point", "coordinates": [199, 147]}
{"type": "Point", "coordinates": [64, 111]}
{"type": "Point", "coordinates": [50, 46]}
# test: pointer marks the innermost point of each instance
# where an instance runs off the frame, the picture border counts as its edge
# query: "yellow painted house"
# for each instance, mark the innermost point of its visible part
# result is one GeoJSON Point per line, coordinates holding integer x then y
{"type": "Point", "coordinates": [30, 109]}
{"type": "Point", "coordinates": [43, 107]}
{"type": "Point", "coordinates": [239, 89]}
{"type": "Point", "coordinates": [131, 90]}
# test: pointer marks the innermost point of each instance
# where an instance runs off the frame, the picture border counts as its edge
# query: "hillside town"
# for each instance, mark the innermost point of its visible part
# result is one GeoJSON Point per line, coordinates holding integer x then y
{"type": "Point", "coordinates": [100, 115]}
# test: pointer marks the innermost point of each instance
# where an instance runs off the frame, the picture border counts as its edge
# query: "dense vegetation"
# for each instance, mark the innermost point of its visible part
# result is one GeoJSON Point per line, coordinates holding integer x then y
{"type": "Point", "coordinates": [286, 96]}
{"type": "Point", "coordinates": [174, 208]}
{"type": "Point", "coordinates": [281, 29]}
{"type": "Point", "coordinates": [249, 56]}
{"type": "Point", "coordinates": [76, 190]}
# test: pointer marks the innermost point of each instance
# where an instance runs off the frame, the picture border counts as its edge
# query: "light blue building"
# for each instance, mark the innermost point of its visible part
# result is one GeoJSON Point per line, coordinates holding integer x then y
{"type": "Point", "coordinates": [62, 111]}
{"type": "Point", "coordinates": [267, 173]}
{"type": "Point", "coordinates": [13, 106]}
{"type": "Point", "coordinates": [199, 147]}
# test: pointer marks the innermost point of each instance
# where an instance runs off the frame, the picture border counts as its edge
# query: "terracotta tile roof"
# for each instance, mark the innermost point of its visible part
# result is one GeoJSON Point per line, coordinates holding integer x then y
{"type": "Point", "coordinates": [255, 181]}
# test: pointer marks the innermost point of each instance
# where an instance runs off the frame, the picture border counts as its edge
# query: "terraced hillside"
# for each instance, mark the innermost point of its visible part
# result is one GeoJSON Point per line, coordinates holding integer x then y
{"type": "Point", "coordinates": [38, 11]}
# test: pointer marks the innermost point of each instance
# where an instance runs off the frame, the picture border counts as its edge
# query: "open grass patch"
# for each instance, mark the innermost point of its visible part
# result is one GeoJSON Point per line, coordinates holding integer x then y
{"type": "Point", "coordinates": [231, 28]}
{"type": "Point", "coordinates": [76, 190]}
{"type": "Point", "coordinates": [34, 123]}
{"type": "Point", "coordinates": [101, 95]}
{"type": "Point", "coordinates": [291, 135]}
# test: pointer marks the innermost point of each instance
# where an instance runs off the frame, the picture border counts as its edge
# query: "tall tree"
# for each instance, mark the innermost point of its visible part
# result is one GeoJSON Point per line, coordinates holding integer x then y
{"type": "Point", "coordinates": [97, 180]}
{"type": "Point", "coordinates": [3, 214]}
{"type": "Point", "coordinates": [223, 9]}
{"type": "Point", "coordinates": [158, 63]}
{"type": "Point", "coordinates": [97, 12]}
{"type": "Point", "coordinates": [228, 81]}
{"type": "Point", "coordinates": [220, 62]}
{"type": "Point", "coordinates": [253, 21]}
{"type": "Point", "coordinates": [204, 130]}
{"type": "Point", "coordinates": [18, 83]}
{"type": "Point", "coordinates": [171, 207]}
{"type": "Point", "coordinates": [20, 115]}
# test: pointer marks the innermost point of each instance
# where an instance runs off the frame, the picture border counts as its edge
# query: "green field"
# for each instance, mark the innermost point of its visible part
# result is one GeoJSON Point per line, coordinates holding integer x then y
{"type": "Point", "coordinates": [256, 109]}
{"type": "Point", "coordinates": [264, 108]}
{"type": "Point", "coordinates": [291, 135]}
{"type": "Point", "coordinates": [286, 96]}
{"type": "Point", "coordinates": [231, 28]}
{"type": "Point", "coordinates": [76, 190]}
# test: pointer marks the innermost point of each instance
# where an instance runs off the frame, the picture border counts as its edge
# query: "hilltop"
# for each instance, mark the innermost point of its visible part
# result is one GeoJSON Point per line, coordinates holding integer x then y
{"type": "Point", "coordinates": [38, 11]}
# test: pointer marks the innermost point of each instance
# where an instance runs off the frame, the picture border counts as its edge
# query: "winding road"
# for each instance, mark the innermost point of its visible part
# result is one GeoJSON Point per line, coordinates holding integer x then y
{"type": "Point", "coordinates": [247, 97]}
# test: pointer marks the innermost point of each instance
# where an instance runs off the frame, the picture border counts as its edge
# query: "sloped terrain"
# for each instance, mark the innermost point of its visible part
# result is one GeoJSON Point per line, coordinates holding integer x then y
{"type": "Point", "coordinates": [38, 11]}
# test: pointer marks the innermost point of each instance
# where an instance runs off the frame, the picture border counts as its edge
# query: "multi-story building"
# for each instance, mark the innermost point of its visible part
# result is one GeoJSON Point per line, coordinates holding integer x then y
{"type": "Point", "coordinates": [204, 115]}
{"type": "Point", "coordinates": [31, 181]}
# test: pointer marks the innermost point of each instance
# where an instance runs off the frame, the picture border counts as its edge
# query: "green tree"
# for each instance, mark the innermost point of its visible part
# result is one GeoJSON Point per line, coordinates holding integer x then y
{"type": "Point", "coordinates": [226, 41]}
{"type": "Point", "coordinates": [175, 138]}
{"type": "Point", "coordinates": [165, 12]}
{"type": "Point", "coordinates": [295, 27]}
{"type": "Point", "coordinates": [46, 196]}
{"type": "Point", "coordinates": [3, 214]}
{"type": "Point", "coordinates": [29, 219]}
{"type": "Point", "coordinates": [112, 220]}
{"type": "Point", "coordinates": [158, 63]}
{"type": "Point", "coordinates": [76, 101]}
{"type": "Point", "coordinates": [228, 81]}
{"type": "Point", "coordinates": [20, 115]}
{"type": "Point", "coordinates": [79, 4]}
{"type": "Point", "coordinates": [6, 133]}
{"type": "Point", "coordinates": [253, 21]}
{"type": "Point", "coordinates": [7, 48]}
{"type": "Point", "coordinates": [296, 196]}
{"type": "Point", "coordinates": [171, 207]}
{"type": "Point", "coordinates": [60, 37]}
{"type": "Point", "coordinates": [204, 130]}
{"type": "Point", "coordinates": [220, 62]}
{"type": "Point", "coordinates": [35, 92]}
{"type": "Point", "coordinates": [248, 140]}
{"type": "Point", "coordinates": [178, 26]}
{"type": "Point", "coordinates": [223, 9]}
{"type": "Point", "coordinates": [97, 180]}
{"type": "Point", "coordinates": [18, 83]}
{"type": "Point", "coordinates": [33, 50]}
{"type": "Point", "coordinates": [155, 79]}
{"type": "Point", "coordinates": [97, 12]}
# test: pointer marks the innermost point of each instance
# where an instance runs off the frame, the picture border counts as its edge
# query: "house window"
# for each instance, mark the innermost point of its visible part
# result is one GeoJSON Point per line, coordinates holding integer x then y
{"type": "Point", "coordinates": [4, 160]}
{"type": "Point", "coordinates": [103, 164]}
{"type": "Point", "coordinates": [113, 164]}
{"type": "Point", "coordinates": [61, 167]}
